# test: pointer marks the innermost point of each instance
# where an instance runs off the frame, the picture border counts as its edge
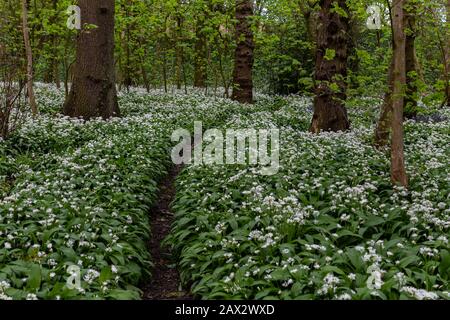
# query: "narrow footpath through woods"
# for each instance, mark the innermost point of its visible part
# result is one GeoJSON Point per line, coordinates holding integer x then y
{"type": "Point", "coordinates": [165, 282]}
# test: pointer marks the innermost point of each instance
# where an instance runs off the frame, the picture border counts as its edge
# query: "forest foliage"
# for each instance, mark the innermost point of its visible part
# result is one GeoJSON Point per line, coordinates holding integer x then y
{"type": "Point", "coordinates": [160, 43]}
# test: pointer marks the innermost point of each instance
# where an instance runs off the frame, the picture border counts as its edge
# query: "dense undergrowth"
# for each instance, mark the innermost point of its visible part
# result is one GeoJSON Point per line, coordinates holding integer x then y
{"type": "Point", "coordinates": [79, 193]}
{"type": "Point", "coordinates": [329, 225]}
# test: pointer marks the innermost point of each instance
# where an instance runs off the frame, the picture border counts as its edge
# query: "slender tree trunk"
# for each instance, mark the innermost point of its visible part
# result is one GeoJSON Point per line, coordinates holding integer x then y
{"type": "Point", "coordinates": [445, 49]}
{"type": "Point", "coordinates": [225, 82]}
{"type": "Point", "coordinates": [330, 113]}
{"type": "Point", "coordinates": [55, 63]}
{"type": "Point", "coordinates": [179, 52]}
{"type": "Point", "coordinates": [29, 53]}
{"type": "Point", "coordinates": [55, 67]}
{"type": "Point", "coordinates": [144, 75]}
{"type": "Point", "coordinates": [93, 92]}
{"type": "Point", "coordinates": [384, 124]}
{"type": "Point", "coordinates": [446, 56]}
{"type": "Point", "coordinates": [164, 70]}
{"type": "Point", "coordinates": [354, 62]}
{"type": "Point", "coordinates": [199, 56]}
{"type": "Point", "coordinates": [125, 41]}
{"type": "Point", "coordinates": [398, 171]}
{"type": "Point", "coordinates": [411, 60]}
{"type": "Point", "coordinates": [243, 63]}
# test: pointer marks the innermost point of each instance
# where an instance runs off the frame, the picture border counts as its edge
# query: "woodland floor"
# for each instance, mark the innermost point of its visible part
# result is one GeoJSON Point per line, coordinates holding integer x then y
{"type": "Point", "coordinates": [322, 227]}
{"type": "Point", "coordinates": [165, 282]}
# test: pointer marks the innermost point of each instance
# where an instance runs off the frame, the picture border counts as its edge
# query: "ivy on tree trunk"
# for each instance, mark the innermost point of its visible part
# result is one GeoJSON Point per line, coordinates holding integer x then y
{"type": "Point", "coordinates": [332, 53]}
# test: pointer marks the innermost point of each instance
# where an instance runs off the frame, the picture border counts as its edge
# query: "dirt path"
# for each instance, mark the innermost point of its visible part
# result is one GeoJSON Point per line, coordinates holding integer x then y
{"type": "Point", "coordinates": [165, 282]}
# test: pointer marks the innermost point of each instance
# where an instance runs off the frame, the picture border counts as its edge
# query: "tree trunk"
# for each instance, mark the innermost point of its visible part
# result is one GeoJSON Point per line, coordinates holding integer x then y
{"type": "Point", "coordinates": [446, 56]}
{"type": "Point", "coordinates": [384, 124]}
{"type": "Point", "coordinates": [199, 55]}
{"type": "Point", "coordinates": [398, 171]}
{"type": "Point", "coordinates": [93, 92]}
{"type": "Point", "coordinates": [179, 52]}
{"type": "Point", "coordinates": [411, 60]}
{"type": "Point", "coordinates": [29, 53]}
{"type": "Point", "coordinates": [144, 75]}
{"type": "Point", "coordinates": [330, 113]}
{"type": "Point", "coordinates": [55, 62]}
{"type": "Point", "coordinates": [243, 63]}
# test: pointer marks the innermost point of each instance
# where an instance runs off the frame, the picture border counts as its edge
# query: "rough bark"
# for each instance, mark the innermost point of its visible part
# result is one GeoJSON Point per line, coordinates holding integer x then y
{"type": "Point", "coordinates": [93, 92]}
{"type": "Point", "coordinates": [243, 63]}
{"type": "Point", "coordinates": [398, 171]}
{"type": "Point", "coordinates": [330, 113]}
{"type": "Point", "coordinates": [29, 54]}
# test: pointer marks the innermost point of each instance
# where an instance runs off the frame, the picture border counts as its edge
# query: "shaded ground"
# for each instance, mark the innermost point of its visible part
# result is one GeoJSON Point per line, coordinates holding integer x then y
{"type": "Point", "coordinates": [165, 283]}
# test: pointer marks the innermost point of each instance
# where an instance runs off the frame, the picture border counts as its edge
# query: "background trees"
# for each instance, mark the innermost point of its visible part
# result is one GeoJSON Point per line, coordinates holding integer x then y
{"type": "Point", "coordinates": [318, 48]}
{"type": "Point", "coordinates": [178, 43]}
{"type": "Point", "coordinates": [29, 56]}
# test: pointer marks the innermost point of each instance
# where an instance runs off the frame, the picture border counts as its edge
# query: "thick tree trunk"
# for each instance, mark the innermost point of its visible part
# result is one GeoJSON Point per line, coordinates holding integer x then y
{"type": "Point", "coordinates": [398, 171]}
{"type": "Point", "coordinates": [243, 63]}
{"type": "Point", "coordinates": [411, 61]}
{"type": "Point", "coordinates": [331, 69]}
{"type": "Point", "coordinates": [29, 53]}
{"type": "Point", "coordinates": [93, 92]}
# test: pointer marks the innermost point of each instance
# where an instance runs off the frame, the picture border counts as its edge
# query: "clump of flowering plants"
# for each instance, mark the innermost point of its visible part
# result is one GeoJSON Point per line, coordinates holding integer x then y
{"type": "Point", "coordinates": [329, 225]}
{"type": "Point", "coordinates": [78, 193]}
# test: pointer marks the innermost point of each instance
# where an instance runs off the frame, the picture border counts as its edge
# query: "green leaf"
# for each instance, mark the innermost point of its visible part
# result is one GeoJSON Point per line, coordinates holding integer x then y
{"type": "Point", "coordinates": [405, 262]}
{"type": "Point", "coordinates": [330, 54]}
{"type": "Point", "coordinates": [280, 274]}
{"type": "Point", "coordinates": [444, 266]}
{"type": "Point", "coordinates": [34, 279]}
